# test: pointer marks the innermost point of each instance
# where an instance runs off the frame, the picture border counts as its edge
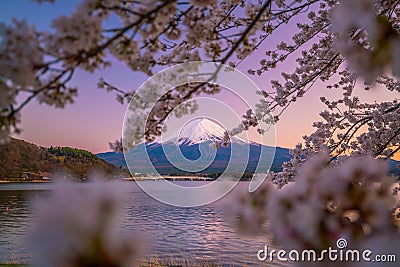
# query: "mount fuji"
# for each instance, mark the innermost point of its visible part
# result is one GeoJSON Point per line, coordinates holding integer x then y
{"type": "Point", "coordinates": [197, 143]}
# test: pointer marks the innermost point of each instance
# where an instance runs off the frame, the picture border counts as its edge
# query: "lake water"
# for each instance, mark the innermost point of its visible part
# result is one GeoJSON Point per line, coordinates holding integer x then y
{"type": "Point", "coordinates": [194, 233]}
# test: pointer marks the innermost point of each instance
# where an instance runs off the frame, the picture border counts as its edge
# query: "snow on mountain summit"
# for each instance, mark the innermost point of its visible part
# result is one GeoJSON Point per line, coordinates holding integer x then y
{"type": "Point", "coordinates": [202, 130]}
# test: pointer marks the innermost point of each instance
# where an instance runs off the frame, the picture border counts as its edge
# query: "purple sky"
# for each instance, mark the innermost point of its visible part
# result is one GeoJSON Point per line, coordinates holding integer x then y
{"type": "Point", "coordinates": [96, 118]}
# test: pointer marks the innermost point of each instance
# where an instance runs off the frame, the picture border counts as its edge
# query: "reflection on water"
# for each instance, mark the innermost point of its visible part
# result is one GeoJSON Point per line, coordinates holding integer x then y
{"type": "Point", "coordinates": [16, 214]}
{"type": "Point", "coordinates": [196, 233]}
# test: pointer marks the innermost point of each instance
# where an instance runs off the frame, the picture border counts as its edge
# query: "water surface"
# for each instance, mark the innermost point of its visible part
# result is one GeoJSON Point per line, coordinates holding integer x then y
{"type": "Point", "coordinates": [197, 233]}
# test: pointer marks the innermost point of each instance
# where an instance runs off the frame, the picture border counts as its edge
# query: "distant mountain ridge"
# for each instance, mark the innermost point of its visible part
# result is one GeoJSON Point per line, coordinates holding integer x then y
{"type": "Point", "coordinates": [164, 167]}
{"type": "Point", "coordinates": [202, 134]}
{"type": "Point", "coordinates": [20, 160]}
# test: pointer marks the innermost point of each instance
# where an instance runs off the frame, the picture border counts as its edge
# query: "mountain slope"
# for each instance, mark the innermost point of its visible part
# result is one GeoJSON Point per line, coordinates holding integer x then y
{"type": "Point", "coordinates": [200, 135]}
{"type": "Point", "coordinates": [197, 135]}
{"type": "Point", "coordinates": [22, 160]}
{"type": "Point", "coordinates": [164, 167]}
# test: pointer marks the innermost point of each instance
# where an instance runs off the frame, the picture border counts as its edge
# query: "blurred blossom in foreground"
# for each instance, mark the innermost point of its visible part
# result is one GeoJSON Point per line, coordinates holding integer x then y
{"type": "Point", "coordinates": [352, 199]}
{"type": "Point", "coordinates": [367, 37]}
{"type": "Point", "coordinates": [80, 226]}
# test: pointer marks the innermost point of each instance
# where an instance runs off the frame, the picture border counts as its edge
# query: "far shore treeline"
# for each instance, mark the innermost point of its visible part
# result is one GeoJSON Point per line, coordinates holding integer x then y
{"type": "Point", "coordinates": [23, 161]}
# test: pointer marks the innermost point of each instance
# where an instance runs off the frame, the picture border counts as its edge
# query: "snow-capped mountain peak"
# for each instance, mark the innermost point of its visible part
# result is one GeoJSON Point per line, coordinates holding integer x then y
{"type": "Point", "coordinates": [202, 130]}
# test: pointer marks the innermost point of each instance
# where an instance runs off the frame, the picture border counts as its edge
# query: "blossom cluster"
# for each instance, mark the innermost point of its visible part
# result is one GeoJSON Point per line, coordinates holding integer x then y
{"type": "Point", "coordinates": [81, 226]}
{"type": "Point", "coordinates": [340, 40]}
{"type": "Point", "coordinates": [352, 200]}
{"type": "Point", "coordinates": [367, 37]}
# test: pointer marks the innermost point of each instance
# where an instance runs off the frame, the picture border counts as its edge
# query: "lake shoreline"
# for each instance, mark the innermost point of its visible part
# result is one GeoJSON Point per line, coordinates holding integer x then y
{"type": "Point", "coordinates": [24, 182]}
{"type": "Point", "coordinates": [128, 179]}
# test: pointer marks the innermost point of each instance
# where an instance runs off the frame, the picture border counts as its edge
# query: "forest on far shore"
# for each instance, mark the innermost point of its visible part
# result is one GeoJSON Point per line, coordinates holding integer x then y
{"type": "Point", "coordinates": [20, 160]}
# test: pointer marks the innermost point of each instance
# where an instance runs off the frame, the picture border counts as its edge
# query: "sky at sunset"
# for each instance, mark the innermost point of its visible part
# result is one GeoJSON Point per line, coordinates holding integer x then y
{"type": "Point", "coordinates": [96, 117]}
